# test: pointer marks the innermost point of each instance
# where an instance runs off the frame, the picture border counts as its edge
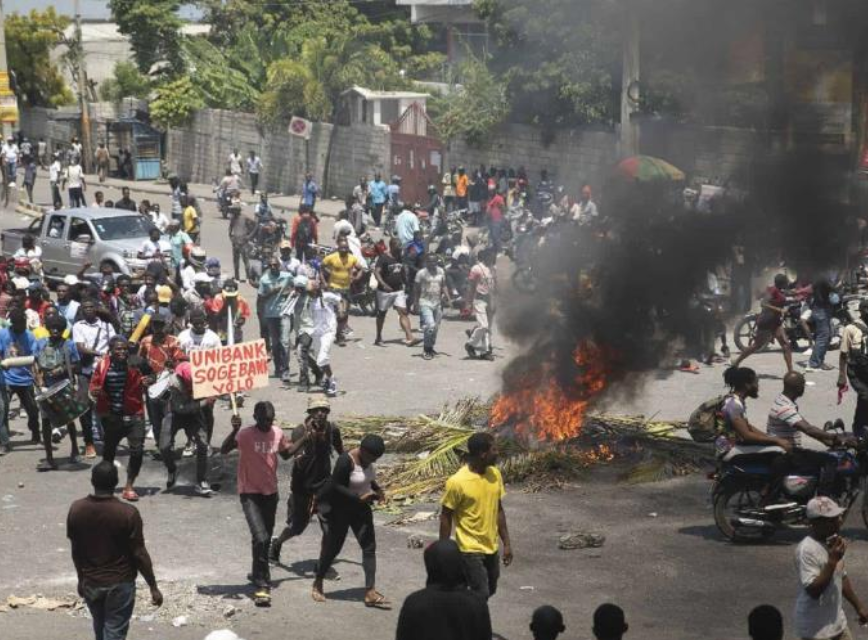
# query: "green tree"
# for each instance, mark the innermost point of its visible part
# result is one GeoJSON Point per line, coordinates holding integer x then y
{"type": "Point", "coordinates": [29, 41]}
{"type": "Point", "coordinates": [152, 27]}
{"type": "Point", "coordinates": [127, 82]}
{"type": "Point", "coordinates": [175, 103]}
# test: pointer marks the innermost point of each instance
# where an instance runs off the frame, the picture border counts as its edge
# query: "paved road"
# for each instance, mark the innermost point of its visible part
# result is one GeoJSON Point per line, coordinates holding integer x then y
{"type": "Point", "coordinates": [671, 573]}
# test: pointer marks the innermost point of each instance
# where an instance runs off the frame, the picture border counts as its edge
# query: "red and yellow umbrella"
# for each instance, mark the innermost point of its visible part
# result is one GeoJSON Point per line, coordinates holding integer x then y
{"type": "Point", "coordinates": [648, 169]}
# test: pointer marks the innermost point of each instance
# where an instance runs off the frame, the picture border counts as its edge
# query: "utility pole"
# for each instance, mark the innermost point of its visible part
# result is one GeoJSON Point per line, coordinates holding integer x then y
{"type": "Point", "coordinates": [8, 101]}
{"type": "Point", "coordinates": [81, 74]}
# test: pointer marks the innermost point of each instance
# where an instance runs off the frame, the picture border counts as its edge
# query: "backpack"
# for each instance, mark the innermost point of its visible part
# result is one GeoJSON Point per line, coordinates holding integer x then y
{"type": "Point", "coordinates": [304, 232]}
{"type": "Point", "coordinates": [706, 422]}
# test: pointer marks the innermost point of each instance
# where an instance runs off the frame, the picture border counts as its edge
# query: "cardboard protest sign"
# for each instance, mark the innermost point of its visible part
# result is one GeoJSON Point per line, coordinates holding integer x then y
{"type": "Point", "coordinates": [230, 369]}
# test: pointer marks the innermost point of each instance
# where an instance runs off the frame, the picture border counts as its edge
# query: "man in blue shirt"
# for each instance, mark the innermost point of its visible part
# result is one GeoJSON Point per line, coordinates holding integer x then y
{"type": "Point", "coordinates": [406, 227]}
{"type": "Point", "coordinates": [309, 191]}
{"type": "Point", "coordinates": [17, 341]}
{"type": "Point", "coordinates": [378, 192]}
{"type": "Point", "coordinates": [274, 288]}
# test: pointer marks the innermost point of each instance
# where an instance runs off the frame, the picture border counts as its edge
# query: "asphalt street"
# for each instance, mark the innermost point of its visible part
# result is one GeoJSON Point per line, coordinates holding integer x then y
{"type": "Point", "coordinates": [662, 560]}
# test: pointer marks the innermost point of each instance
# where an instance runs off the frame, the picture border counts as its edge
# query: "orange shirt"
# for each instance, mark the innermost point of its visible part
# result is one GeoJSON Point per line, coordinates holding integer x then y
{"type": "Point", "coordinates": [461, 183]}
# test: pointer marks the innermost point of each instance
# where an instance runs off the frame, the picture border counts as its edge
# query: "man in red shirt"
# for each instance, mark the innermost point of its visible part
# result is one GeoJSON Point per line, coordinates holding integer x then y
{"type": "Point", "coordinates": [303, 234]}
{"type": "Point", "coordinates": [162, 352]}
{"type": "Point", "coordinates": [494, 210]}
{"type": "Point", "coordinates": [769, 323]}
{"type": "Point", "coordinates": [258, 447]}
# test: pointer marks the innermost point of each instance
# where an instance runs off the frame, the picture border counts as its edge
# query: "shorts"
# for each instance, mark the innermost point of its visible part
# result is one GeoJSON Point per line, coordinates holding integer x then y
{"type": "Point", "coordinates": [321, 347]}
{"type": "Point", "coordinates": [387, 300]}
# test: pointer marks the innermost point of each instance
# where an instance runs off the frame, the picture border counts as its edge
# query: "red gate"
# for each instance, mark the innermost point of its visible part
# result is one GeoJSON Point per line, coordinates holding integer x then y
{"type": "Point", "coordinates": [416, 156]}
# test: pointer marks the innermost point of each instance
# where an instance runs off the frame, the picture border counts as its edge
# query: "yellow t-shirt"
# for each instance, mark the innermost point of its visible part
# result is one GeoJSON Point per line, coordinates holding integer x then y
{"type": "Point", "coordinates": [475, 501]}
{"type": "Point", "coordinates": [461, 184]}
{"type": "Point", "coordinates": [41, 333]}
{"type": "Point", "coordinates": [340, 270]}
{"type": "Point", "coordinates": [191, 220]}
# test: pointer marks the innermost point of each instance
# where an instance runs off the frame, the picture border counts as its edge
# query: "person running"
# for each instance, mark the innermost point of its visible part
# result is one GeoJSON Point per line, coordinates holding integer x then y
{"type": "Point", "coordinates": [322, 311]}
{"type": "Point", "coordinates": [430, 291]}
{"type": "Point", "coordinates": [480, 298]}
{"type": "Point", "coordinates": [391, 279]}
{"type": "Point", "coordinates": [116, 388]}
{"type": "Point", "coordinates": [344, 504]}
{"type": "Point", "coordinates": [769, 323]}
{"type": "Point", "coordinates": [311, 469]}
{"type": "Point", "coordinates": [339, 270]}
{"type": "Point", "coordinates": [473, 504]}
{"type": "Point", "coordinates": [258, 447]}
{"type": "Point", "coordinates": [108, 551]}
{"type": "Point", "coordinates": [56, 362]}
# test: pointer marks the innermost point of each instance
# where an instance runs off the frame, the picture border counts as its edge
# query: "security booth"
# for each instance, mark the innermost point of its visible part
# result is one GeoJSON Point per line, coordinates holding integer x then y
{"type": "Point", "coordinates": [137, 147]}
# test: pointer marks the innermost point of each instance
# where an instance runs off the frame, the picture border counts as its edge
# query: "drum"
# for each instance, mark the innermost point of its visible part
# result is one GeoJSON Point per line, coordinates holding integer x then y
{"type": "Point", "coordinates": [161, 386]}
{"type": "Point", "coordinates": [60, 404]}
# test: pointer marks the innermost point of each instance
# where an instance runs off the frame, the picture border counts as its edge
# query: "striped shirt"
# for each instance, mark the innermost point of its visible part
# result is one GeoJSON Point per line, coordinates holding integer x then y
{"type": "Point", "coordinates": [115, 381]}
{"type": "Point", "coordinates": [783, 418]}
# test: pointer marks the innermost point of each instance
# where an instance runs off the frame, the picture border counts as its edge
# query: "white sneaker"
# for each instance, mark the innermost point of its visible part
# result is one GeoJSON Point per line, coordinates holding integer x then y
{"type": "Point", "coordinates": [204, 489]}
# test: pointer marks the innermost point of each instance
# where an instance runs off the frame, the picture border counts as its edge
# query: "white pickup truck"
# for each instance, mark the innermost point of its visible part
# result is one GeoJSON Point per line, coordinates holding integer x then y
{"type": "Point", "coordinates": [70, 237]}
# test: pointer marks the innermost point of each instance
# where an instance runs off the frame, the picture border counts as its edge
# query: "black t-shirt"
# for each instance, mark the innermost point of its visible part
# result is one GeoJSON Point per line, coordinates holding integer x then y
{"type": "Point", "coordinates": [391, 271]}
{"type": "Point", "coordinates": [313, 464]}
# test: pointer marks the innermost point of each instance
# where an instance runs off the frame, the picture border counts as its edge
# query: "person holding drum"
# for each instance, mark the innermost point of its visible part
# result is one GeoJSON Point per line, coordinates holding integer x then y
{"type": "Point", "coordinates": [56, 364]}
{"type": "Point", "coordinates": [162, 352]}
{"type": "Point", "coordinates": [17, 342]}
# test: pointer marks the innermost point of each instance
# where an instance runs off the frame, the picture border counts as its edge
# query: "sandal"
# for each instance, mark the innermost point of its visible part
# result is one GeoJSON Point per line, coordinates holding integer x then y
{"type": "Point", "coordinates": [262, 597]}
{"type": "Point", "coordinates": [317, 595]}
{"type": "Point", "coordinates": [130, 495]}
{"type": "Point", "coordinates": [379, 602]}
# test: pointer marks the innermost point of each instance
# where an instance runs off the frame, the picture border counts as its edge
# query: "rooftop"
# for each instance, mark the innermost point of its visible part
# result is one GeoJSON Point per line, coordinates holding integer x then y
{"type": "Point", "coordinates": [370, 94]}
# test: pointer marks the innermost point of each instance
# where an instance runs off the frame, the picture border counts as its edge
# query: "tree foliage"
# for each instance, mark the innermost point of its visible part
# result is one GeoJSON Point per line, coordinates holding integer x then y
{"type": "Point", "coordinates": [127, 82]}
{"type": "Point", "coordinates": [152, 27]}
{"type": "Point", "coordinates": [29, 41]}
{"type": "Point", "coordinates": [175, 103]}
{"type": "Point", "coordinates": [475, 108]}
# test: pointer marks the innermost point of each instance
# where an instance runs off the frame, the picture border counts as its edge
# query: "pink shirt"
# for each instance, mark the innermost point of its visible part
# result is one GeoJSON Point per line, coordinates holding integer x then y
{"type": "Point", "coordinates": [257, 462]}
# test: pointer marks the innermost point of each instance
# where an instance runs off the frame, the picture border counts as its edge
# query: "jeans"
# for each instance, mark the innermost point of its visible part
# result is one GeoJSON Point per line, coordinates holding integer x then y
{"type": "Point", "coordinates": [239, 255]}
{"type": "Point", "coordinates": [115, 429]}
{"type": "Point", "coordinates": [28, 403]}
{"type": "Point", "coordinates": [157, 412]}
{"type": "Point", "coordinates": [194, 426]}
{"type": "Point", "coordinates": [430, 320]}
{"type": "Point", "coordinates": [76, 197]}
{"type": "Point", "coordinates": [254, 182]}
{"type": "Point", "coordinates": [260, 511]}
{"type": "Point", "coordinates": [111, 609]}
{"type": "Point", "coordinates": [276, 346]}
{"type": "Point", "coordinates": [482, 572]}
{"type": "Point", "coordinates": [306, 360]}
{"type": "Point", "coordinates": [822, 336]}
{"type": "Point", "coordinates": [377, 213]}
{"type": "Point", "coordinates": [495, 233]}
{"type": "Point", "coordinates": [335, 528]}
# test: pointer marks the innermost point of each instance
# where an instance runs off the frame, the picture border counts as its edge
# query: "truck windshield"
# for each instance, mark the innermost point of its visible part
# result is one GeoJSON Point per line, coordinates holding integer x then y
{"type": "Point", "coordinates": [122, 227]}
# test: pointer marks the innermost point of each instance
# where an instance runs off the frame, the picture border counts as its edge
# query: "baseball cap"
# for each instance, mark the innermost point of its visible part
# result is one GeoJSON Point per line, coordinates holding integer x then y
{"type": "Point", "coordinates": [823, 507]}
{"type": "Point", "coordinates": [318, 402]}
{"type": "Point", "coordinates": [164, 294]}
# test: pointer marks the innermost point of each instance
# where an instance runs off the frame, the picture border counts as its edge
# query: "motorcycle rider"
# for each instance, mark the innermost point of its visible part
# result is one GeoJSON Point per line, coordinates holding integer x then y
{"type": "Point", "coordinates": [769, 323]}
{"type": "Point", "coordinates": [853, 364]}
{"type": "Point", "coordinates": [228, 188]}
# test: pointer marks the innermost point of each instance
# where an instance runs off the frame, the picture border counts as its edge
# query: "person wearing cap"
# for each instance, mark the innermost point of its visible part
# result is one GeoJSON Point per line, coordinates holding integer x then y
{"type": "Point", "coordinates": [274, 288]}
{"type": "Point", "coordinates": [288, 262]}
{"type": "Point", "coordinates": [162, 351]}
{"type": "Point", "coordinates": [195, 265]}
{"type": "Point", "coordinates": [853, 365]}
{"type": "Point", "coordinates": [180, 243]}
{"type": "Point", "coordinates": [311, 469]}
{"type": "Point", "coordinates": [218, 308]}
{"type": "Point", "coordinates": [822, 576]}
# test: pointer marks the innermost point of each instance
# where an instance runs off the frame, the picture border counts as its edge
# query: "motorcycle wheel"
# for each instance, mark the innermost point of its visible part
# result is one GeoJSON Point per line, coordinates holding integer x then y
{"type": "Point", "coordinates": [729, 500]}
{"type": "Point", "coordinates": [524, 280]}
{"type": "Point", "coordinates": [744, 332]}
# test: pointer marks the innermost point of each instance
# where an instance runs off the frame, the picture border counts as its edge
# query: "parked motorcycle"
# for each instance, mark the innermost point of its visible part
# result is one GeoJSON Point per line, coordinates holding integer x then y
{"type": "Point", "coordinates": [742, 516]}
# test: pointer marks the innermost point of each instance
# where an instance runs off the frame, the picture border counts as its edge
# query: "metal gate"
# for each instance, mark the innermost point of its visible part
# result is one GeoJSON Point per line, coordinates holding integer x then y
{"type": "Point", "coordinates": [416, 156]}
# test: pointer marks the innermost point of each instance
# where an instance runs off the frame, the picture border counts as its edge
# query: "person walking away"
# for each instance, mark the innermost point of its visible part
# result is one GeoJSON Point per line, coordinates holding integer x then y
{"type": "Point", "coordinates": [609, 622]}
{"type": "Point", "coordinates": [462, 184]}
{"type": "Point", "coordinates": [769, 323]}
{"type": "Point", "coordinates": [56, 362]}
{"type": "Point", "coordinates": [274, 288]}
{"type": "Point", "coordinates": [406, 227]}
{"type": "Point", "coordinates": [494, 214]}
{"type": "Point", "coordinates": [11, 157]}
{"type": "Point", "coordinates": [234, 163]}
{"type": "Point", "coordinates": [162, 352]}
{"type": "Point", "coordinates": [191, 219]}
{"type": "Point", "coordinates": [309, 192]}
{"type": "Point", "coordinates": [116, 389]}
{"type": "Point", "coordinates": [430, 292]}
{"type": "Point", "coordinates": [445, 608]}
{"type": "Point", "coordinates": [339, 270]}
{"type": "Point", "coordinates": [126, 202]}
{"type": "Point", "coordinates": [108, 551]}
{"type": "Point", "coordinates": [73, 180]}
{"type": "Point", "coordinates": [477, 192]}
{"type": "Point", "coordinates": [378, 193]}
{"type": "Point", "coordinates": [55, 178]}
{"type": "Point", "coordinates": [480, 298]}
{"type": "Point", "coordinates": [473, 503]}
{"type": "Point", "coordinates": [390, 275]}
{"type": "Point", "coordinates": [822, 576]}
{"type": "Point", "coordinates": [823, 300]}
{"type": "Point", "coordinates": [258, 447]}
{"type": "Point", "coordinates": [17, 341]}
{"type": "Point", "coordinates": [187, 416]}
{"type": "Point", "coordinates": [853, 366]}
{"type": "Point", "coordinates": [102, 161]}
{"type": "Point", "coordinates": [316, 438]}
{"type": "Point", "coordinates": [241, 232]}
{"type": "Point", "coordinates": [546, 623]}
{"type": "Point", "coordinates": [304, 234]}
{"type": "Point", "coordinates": [765, 623]}
{"type": "Point", "coordinates": [91, 335]}
{"type": "Point", "coordinates": [254, 168]}
{"type": "Point", "coordinates": [345, 503]}
{"type": "Point", "coordinates": [42, 153]}
{"type": "Point", "coordinates": [30, 178]}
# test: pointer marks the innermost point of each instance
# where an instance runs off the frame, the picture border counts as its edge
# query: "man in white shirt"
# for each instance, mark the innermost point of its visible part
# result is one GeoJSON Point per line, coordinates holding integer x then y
{"type": "Point", "coordinates": [823, 579]}
{"type": "Point", "coordinates": [198, 336]}
{"type": "Point", "coordinates": [254, 168]}
{"type": "Point", "coordinates": [158, 218]}
{"type": "Point", "coordinates": [91, 337]}
{"type": "Point", "coordinates": [55, 172]}
{"type": "Point", "coordinates": [195, 264]}
{"type": "Point", "coordinates": [10, 160]}
{"type": "Point", "coordinates": [235, 160]}
{"type": "Point", "coordinates": [73, 179]}
{"type": "Point", "coordinates": [155, 246]}
{"type": "Point", "coordinates": [585, 211]}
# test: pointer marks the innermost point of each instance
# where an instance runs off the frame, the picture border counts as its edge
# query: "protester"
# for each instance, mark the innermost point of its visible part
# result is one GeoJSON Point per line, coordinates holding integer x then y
{"type": "Point", "coordinates": [822, 576]}
{"type": "Point", "coordinates": [190, 219]}
{"type": "Point", "coordinates": [102, 161]}
{"type": "Point", "coordinates": [769, 324]}
{"type": "Point", "coordinates": [162, 352]}
{"type": "Point", "coordinates": [74, 178]}
{"type": "Point", "coordinates": [430, 291]}
{"type": "Point", "coordinates": [587, 209]}
{"type": "Point", "coordinates": [609, 622]}
{"type": "Point", "coordinates": [17, 341]}
{"type": "Point", "coordinates": [126, 203]}
{"type": "Point", "coordinates": [316, 438]}
{"type": "Point", "coordinates": [274, 288]}
{"type": "Point", "coordinates": [254, 168]}
{"type": "Point", "coordinates": [339, 270]}
{"type": "Point", "coordinates": [480, 298]}
{"type": "Point", "coordinates": [494, 214]}
{"type": "Point", "coordinates": [234, 163]}
{"type": "Point", "coordinates": [445, 608]}
{"type": "Point", "coordinates": [765, 623]}
{"type": "Point", "coordinates": [30, 178]}
{"type": "Point", "coordinates": [304, 234]}
{"type": "Point", "coordinates": [462, 183]}
{"type": "Point", "coordinates": [55, 179]}
{"type": "Point", "coordinates": [853, 365]}
{"type": "Point", "coordinates": [219, 307]}
{"type": "Point", "coordinates": [344, 504]}
{"type": "Point", "coordinates": [309, 192]}
{"type": "Point", "coordinates": [472, 503]}
{"type": "Point", "coordinates": [391, 280]}
{"type": "Point", "coordinates": [108, 551]}
{"type": "Point", "coordinates": [241, 232]}
{"type": "Point", "coordinates": [378, 193]}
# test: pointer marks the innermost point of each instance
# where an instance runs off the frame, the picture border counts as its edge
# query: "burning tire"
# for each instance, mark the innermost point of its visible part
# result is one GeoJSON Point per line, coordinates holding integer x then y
{"type": "Point", "coordinates": [733, 501]}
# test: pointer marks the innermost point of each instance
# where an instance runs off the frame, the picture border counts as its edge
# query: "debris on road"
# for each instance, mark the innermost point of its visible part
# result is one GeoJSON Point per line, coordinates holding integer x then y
{"type": "Point", "coordinates": [38, 601]}
{"type": "Point", "coordinates": [180, 621]}
{"type": "Point", "coordinates": [581, 540]}
{"type": "Point", "coordinates": [415, 541]}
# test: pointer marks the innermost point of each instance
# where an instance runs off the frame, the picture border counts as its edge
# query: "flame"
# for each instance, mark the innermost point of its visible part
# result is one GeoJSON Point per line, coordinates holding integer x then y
{"type": "Point", "coordinates": [543, 407]}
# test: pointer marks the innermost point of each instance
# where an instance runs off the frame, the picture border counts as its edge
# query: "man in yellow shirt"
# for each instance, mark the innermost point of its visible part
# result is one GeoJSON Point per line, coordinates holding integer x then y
{"type": "Point", "coordinates": [339, 270]}
{"type": "Point", "coordinates": [462, 183]}
{"type": "Point", "coordinates": [473, 502]}
{"type": "Point", "coordinates": [191, 219]}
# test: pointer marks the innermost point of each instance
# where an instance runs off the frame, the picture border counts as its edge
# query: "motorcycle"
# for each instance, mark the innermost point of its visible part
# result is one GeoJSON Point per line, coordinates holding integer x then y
{"type": "Point", "coordinates": [745, 329]}
{"type": "Point", "coordinates": [740, 513]}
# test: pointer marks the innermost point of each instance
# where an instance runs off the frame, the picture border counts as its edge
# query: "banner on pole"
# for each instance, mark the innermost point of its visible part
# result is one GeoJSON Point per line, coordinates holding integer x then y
{"type": "Point", "coordinates": [230, 369]}
{"type": "Point", "coordinates": [300, 127]}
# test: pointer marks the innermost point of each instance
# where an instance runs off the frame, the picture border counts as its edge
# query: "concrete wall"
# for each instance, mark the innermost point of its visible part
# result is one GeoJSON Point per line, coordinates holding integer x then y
{"type": "Point", "coordinates": [357, 151]}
